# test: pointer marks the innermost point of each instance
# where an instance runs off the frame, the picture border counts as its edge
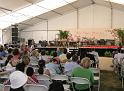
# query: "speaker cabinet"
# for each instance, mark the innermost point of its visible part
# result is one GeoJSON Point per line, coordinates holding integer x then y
{"type": "Point", "coordinates": [14, 35]}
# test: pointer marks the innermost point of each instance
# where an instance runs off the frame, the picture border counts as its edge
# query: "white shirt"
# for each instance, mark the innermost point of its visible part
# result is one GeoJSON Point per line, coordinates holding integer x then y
{"type": "Point", "coordinates": [95, 55]}
{"type": "Point", "coordinates": [119, 57]}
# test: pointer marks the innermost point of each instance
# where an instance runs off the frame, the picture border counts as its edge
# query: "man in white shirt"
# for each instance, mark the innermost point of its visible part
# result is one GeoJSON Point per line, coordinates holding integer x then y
{"type": "Point", "coordinates": [119, 56]}
{"type": "Point", "coordinates": [96, 56]}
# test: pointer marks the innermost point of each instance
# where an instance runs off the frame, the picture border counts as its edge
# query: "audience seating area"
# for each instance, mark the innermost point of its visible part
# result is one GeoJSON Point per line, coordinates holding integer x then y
{"type": "Point", "coordinates": [32, 59]}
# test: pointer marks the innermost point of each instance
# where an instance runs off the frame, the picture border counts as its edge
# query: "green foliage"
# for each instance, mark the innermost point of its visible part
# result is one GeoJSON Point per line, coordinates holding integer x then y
{"type": "Point", "coordinates": [120, 34]}
{"type": "Point", "coordinates": [108, 54]}
{"type": "Point", "coordinates": [63, 34]}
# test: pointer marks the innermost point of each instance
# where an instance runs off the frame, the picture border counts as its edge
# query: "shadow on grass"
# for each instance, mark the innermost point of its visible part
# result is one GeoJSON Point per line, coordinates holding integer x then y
{"type": "Point", "coordinates": [110, 81]}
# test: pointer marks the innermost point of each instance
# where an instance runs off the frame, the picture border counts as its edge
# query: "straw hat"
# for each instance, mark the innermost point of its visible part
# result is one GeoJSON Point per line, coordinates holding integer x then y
{"type": "Point", "coordinates": [17, 79]}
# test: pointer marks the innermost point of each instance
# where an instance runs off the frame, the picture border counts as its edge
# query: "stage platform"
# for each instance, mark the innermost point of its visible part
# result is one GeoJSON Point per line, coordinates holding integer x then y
{"type": "Point", "coordinates": [101, 49]}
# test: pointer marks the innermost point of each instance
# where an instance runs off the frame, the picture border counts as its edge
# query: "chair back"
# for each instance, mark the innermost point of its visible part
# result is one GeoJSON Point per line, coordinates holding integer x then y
{"type": "Point", "coordinates": [1, 87]}
{"type": "Point", "coordinates": [95, 70]}
{"type": "Point", "coordinates": [80, 80]}
{"type": "Point", "coordinates": [34, 87]}
{"type": "Point", "coordinates": [43, 77]}
{"type": "Point", "coordinates": [6, 87]}
{"type": "Point", "coordinates": [59, 77]}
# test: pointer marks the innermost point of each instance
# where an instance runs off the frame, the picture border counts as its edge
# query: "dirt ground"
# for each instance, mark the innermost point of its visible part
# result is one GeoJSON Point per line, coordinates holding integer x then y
{"type": "Point", "coordinates": [109, 81]}
{"type": "Point", "coordinates": [105, 63]}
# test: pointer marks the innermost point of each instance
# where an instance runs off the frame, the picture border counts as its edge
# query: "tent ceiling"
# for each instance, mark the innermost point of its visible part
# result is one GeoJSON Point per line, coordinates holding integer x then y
{"type": "Point", "coordinates": [8, 6]}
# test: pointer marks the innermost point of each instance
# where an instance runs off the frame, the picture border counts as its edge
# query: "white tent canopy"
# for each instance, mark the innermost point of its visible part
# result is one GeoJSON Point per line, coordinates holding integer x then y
{"type": "Point", "coordinates": [26, 13]}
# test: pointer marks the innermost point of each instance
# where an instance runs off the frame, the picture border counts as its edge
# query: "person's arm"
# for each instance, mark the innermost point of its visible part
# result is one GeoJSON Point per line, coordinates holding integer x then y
{"type": "Point", "coordinates": [31, 81]}
{"type": "Point", "coordinates": [4, 72]}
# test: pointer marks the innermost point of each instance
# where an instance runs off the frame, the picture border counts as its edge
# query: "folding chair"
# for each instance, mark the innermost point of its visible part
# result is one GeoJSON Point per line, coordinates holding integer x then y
{"type": "Point", "coordinates": [115, 65]}
{"type": "Point", "coordinates": [1, 87]}
{"type": "Point", "coordinates": [122, 75]}
{"type": "Point", "coordinates": [80, 80]}
{"type": "Point", "coordinates": [34, 87]}
{"type": "Point", "coordinates": [96, 72]}
{"type": "Point", "coordinates": [61, 78]}
{"type": "Point", "coordinates": [6, 87]}
{"type": "Point", "coordinates": [35, 70]}
{"type": "Point", "coordinates": [44, 79]}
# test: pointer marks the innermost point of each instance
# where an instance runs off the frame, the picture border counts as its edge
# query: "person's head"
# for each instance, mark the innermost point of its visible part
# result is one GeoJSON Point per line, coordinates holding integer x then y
{"type": "Point", "coordinates": [25, 60]}
{"type": "Point", "coordinates": [30, 71]}
{"type": "Point", "coordinates": [85, 62]}
{"type": "Point", "coordinates": [56, 86]}
{"type": "Point", "coordinates": [68, 55]}
{"type": "Point", "coordinates": [43, 52]}
{"type": "Point", "coordinates": [74, 58]}
{"type": "Point", "coordinates": [20, 67]}
{"type": "Point", "coordinates": [56, 60]}
{"type": "Point", "coordinates": [9, 57]}
{"type": "Point", "coordinates": [54, 54]}
{"type": "Point", "coordinates": [64, 50]}
{"type": "Point", "coordinates": [35, 53]}
{"type": "Point", "coordinates": [10, 50]}
{"type": "Point", "coordinates": [15, 51]}
{"type": "Point", "coordinates": [41, 63]}
{"type": "Point", "coordinates": [17, 79]}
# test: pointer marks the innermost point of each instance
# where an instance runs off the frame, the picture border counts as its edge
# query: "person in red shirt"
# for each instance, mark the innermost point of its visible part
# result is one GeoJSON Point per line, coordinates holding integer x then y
{"type": "Point", "coordinates": [31, 75]}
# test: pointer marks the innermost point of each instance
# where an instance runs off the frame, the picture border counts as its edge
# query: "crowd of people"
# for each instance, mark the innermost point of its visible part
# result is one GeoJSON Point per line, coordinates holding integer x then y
{"type": "Point", "coordinates": [20, 64]}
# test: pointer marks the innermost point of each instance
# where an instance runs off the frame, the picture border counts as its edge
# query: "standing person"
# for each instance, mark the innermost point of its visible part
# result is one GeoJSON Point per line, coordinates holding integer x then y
{"type": "Point", "coordinates": [17, 81]}
{"type": "Point", "coordinates": [59, 51]}
{"type": "Point", "coordinates": [95, 59]}
{"type": "Point", "coordinates": [83, 72]}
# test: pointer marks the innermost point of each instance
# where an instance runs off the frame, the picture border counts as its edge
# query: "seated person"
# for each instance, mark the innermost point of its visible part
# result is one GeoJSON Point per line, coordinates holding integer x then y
{"type": "Point", "coordinates": [53, 67]}
{"type": "Point", "coordinates": [71, 64]}
{"type": "Point", "coordinates": [56, 86]}
{"type": "Point", "coordinates": [63, 57]}
{"type": "Point", "coordinates": [17, 81]}
{"type": "Point", "coordinates": [42, 69]}
{"type": "Point", "coordinates": [34, 57]}
{"type": "Point", "coordinates": [83, 72]}
{"type": "Point", "coordinates": [31, 76]}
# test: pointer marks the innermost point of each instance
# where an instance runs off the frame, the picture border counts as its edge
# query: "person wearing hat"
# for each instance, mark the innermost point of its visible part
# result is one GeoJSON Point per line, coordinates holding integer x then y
{"type": "Point", "coordinates": [17, 81]}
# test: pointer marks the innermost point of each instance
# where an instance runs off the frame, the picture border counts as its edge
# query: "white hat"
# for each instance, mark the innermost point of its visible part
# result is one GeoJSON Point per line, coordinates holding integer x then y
{"type": "Point", "coordinates": [17, 79]}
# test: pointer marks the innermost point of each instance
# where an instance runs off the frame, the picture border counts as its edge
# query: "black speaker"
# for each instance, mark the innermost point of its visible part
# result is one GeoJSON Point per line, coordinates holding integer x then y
{"type": "Point", "coordinates": [14, 35]}
{"type": "Point", "coordinates": [29, 42]}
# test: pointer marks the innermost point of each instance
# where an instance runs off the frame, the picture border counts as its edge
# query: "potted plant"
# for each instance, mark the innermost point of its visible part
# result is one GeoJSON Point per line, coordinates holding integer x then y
{"type": "Point", "coordinates": [63, 34]}
{"type": "Point", "coordinates": [120, 34]}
